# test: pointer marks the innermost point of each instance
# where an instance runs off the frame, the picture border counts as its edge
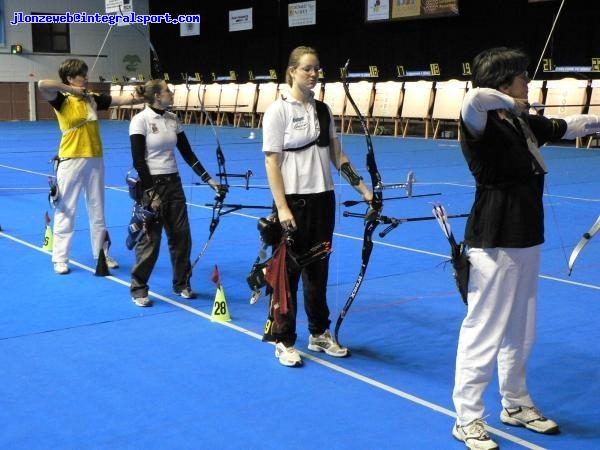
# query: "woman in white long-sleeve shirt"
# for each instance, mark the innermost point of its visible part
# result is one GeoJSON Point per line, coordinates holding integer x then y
{"type": "Point", "coordinates": [154, 134]}
{"type": "Point", "coordinates": [504, 233]}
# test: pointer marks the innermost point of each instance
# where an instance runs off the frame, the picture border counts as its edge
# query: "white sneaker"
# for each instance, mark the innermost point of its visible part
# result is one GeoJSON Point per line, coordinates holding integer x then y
{"type": "Point", "coordinates": [186, 293]}
{"type": "Point", "coordinates": [111, 263]}
{"type": "Point", "coordinates": [474, 435]}
{"type": "Point", "coordinates": [325, 343]}
{"type": "Point", "coordinates": [288, 356]}
{"type": "Point", "coordinates": [530, 418]}
{"type": "Point", "coordinates": [61, 268]}
{"type": "Point", "coordinates": [142, 301]}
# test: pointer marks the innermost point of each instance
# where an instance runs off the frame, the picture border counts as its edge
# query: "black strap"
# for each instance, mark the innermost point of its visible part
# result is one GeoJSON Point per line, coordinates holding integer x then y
{"type": "Point", "coordinates": [528, 135]}
{"type": "Point", "coordinates": [324, 122]}
{"type": "Point", "coordinates": [295, 149]}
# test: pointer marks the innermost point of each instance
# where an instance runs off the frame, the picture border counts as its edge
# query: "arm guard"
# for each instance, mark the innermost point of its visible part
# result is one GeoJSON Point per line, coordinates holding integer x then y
{"type": "Point", "coordinates": [350, 174]}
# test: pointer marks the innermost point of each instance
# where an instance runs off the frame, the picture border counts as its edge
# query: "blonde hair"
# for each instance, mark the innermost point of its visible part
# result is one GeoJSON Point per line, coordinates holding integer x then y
{"type": "Point", "coordinates": [294, 60]}
{"type": "Point", "coordinates": [149, 89]}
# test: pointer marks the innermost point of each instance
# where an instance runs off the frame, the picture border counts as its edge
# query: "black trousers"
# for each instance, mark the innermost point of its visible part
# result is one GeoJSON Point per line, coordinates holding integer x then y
{"type": "Point", "coordinates": [315, 220]}
{"type": "Point", "coordinates": [173, 218]}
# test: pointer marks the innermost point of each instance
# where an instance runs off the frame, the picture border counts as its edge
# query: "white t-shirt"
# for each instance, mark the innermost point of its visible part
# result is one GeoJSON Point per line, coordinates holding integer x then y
{"type": "Point", "coordinates": [161, 137]}
{"type": "Point", "coordinates": [288, 124]}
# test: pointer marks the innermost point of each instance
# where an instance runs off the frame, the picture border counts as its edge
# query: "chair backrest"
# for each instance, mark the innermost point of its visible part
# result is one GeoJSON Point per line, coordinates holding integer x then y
{"type": "Point", "coordinates": [335, 97]}
{"type": "Point", "coordinates": [212, 96]}
{"type": "Point", "coordinates": [565, 97]}
{"type": "Point", "coordinates": [267, 93]}
{"type": "Point", "coordinates": [362, 93]}
{"type": "Point", "coordinates": [318, 90]}
{"type": "Point", "coordinates": [228, 98]}
{"type": "Point", "coordinates": [448, 99]}
{"type": "Point", "coordinates": [195, 96]}
{"type": "Point", "coordinates": [535, 91]}
{"type": "Point", "coordinates": [246, 98]}
{"type": "Point", "coordinates": [595, 98]}
{"type": "Point", "coordinates": [115, 90]}
{"type": "Point", "coordinates": [387, 99]}
{"type": "Point", "coordinates": [128, 91]}
{"type": "Point", "coordinates": [418, 98]}
{"type": "Point", "coordinates": [180, 96]}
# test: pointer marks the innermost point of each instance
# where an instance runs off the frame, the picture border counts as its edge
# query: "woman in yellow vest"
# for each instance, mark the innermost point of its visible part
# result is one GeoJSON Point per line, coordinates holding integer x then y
{"type": "Point", "coordinates": [81, 167]}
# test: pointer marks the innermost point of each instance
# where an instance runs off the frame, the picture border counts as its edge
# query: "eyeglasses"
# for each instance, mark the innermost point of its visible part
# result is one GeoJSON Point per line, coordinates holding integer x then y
{"type": "Point", "coordinates": [309, 69]}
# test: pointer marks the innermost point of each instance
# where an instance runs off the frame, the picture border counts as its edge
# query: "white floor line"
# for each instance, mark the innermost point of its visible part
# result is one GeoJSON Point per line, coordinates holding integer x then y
{"type": "Point", "coordinates": [18, 169]}
{"type": "Point", "coordinates": [574, 283]}
{"type": "Point", "coordinates": [315, 359]}
{"type": "Point", "coordinates": [23, 189]}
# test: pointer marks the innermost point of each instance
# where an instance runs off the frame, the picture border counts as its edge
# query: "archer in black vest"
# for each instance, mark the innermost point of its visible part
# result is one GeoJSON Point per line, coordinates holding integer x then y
{"type": "Point", "coordinates": [504, 234]}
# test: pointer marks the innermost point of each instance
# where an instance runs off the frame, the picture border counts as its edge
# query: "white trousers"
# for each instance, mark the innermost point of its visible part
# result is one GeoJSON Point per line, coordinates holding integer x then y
{"type": "Point", "coordinates": [499, 327]}
{"type": "Point", "coordinates": [74, 176]}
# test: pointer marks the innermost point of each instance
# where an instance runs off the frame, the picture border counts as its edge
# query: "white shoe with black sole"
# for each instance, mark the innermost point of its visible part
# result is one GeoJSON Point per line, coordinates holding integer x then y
{"type": "Point", "coordinates": [288, 356]}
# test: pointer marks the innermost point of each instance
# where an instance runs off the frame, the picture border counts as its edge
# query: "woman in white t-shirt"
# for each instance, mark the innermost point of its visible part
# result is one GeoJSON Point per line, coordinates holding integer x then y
{"type": "Point", "coordinates": [154, 133]}
{"type": "Point", "coordinates": [300, 144]}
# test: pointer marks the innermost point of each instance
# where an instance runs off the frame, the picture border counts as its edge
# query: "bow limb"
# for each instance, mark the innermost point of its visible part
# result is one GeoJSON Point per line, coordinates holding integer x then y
{"type": "Point", "coordinates": [458, 253]}
{"type": "Point", "coordinates": [219, 201]}
{"type": "Point", "coordinates": [101, 48]}
{"type": "Point", "coordinates": [371, 219]}
{"type": "Point", "coordinates": [158, 72]}
{"type": "Point", "coordinates": [562, 3]}
{"type": "Point", "coordinates": [217, 208]}
{"type": "Point", "coordinates": [366, 254]}
{"type": "Point", "coordinates": [376, 182]}
{"type": "Point", "coordinates": [587, 236]}
{"type": "Point", "coordinates": [223, 187]}
{"type": "Point", "coordinates": [562, 246]}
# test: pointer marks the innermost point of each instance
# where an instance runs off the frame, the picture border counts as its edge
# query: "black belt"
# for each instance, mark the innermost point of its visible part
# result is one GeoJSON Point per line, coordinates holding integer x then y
{"type": "Point", "coordinates": [167, 178]}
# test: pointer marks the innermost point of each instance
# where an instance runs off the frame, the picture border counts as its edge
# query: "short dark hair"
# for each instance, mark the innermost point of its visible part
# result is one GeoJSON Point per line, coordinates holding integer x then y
{"type": "Point", "coordinates": [498, 66]}
{"type": "Point", "coordinates": [71, 68]}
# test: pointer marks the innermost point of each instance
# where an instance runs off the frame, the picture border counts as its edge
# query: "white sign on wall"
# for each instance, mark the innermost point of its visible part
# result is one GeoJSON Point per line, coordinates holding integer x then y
{"type": "Point", "coordinates": [240, 19]}
{"type": "Point", "coordinates": [301, 14]}
{"type": "Point", "coordinates": [189, 29]}
{"type": "Point", "coordinates": [118, 6]}
{"type": "Point", "coordinates": [378, 10]}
